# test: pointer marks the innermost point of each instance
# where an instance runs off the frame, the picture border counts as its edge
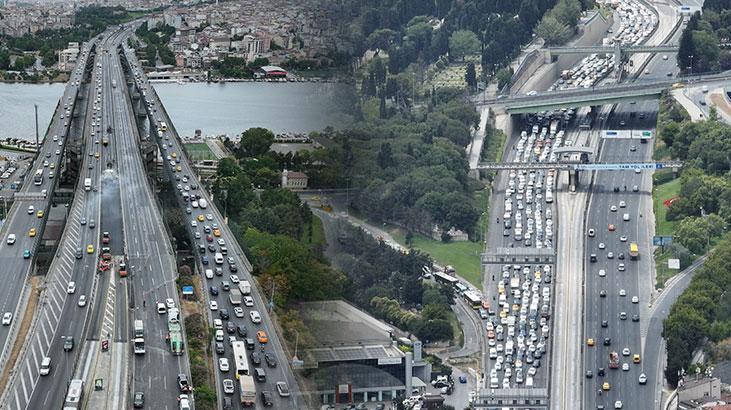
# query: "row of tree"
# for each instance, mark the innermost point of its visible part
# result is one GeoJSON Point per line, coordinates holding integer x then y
{"type": "Point", "coordinates": [699, 48]}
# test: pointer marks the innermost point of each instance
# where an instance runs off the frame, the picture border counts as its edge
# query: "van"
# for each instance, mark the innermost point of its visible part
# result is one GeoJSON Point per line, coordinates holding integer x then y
{"type": "Point", "coordinates": [219, 258]}
{"type": "Point", "coordinates": [261, 375]}
{"type": "Point", "coordinates": [45, 366]}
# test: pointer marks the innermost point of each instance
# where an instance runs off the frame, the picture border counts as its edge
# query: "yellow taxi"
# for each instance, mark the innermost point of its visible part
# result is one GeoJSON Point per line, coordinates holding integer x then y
{"type": "Point", "coordinates": [174, 155]}
{"type": "Point", "coordinates": [636, 358]}
{"type": "Point", "coordinates": [178, 169]}
{"type": "Point", "coordinates": [96, 155]}
{"type": "Point", "coordinates": [52, 166]}
{"type": "Point", "coordinates": [39, 214]}
{"type": "Point", "coordinates": [32, 232]}
{"type": "Point", "coordinates": [89, 248]}
{"type": "Point", "coordinates": [216, 233]}
{"type": "Point", "coordinates": [201, 218]}
{"type": "Point", "coordinates": [261, 336]}
{"type": "Point", "coordinates": [590, 342]}
{"type": "Point", "coordinates": [606, 386]}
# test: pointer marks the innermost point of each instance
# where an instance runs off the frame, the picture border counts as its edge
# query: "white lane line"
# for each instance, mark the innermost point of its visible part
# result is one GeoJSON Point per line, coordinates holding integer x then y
{"type": "Point", "coordinates": [17, 398]}
{"type": "Point", "coordinates": [25, 389]}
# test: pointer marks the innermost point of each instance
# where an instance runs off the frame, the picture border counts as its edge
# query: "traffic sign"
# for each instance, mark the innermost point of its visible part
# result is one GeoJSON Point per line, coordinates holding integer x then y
{"type": "Point", "coordinates": [618, 167]}
{"type": "Point", "coordinates": [660, 240]}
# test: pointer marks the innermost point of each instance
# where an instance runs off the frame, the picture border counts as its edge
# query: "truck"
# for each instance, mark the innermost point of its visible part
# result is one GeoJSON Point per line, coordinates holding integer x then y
{"type": "Point", "coordinates": [87, 184]}
{"type": "Point", "coordinates": [613, 360]}
{"type": "Point", "coordinates": [554, 127]}
{"type": "Point", "coordinates": [202, 203]}
{"type": "Point", "coordinates": [114, 83]}
{"type": "Point", "coordinates": [175, 338]}
{"type": "Point", "coordinates": [247, 390]}
{"type": "Point", "coordinates": [235, 297]}
{"type": "Point", "coordinates": [634, 251]}
{"type": "Point", "coordinates": [139, 345]}
{"type": "Point", "coordinates": [139, 328]}
{"type": "Point", "coordinates": [245, 287]}
{"type": "Point", "coordinates": [514, 282]}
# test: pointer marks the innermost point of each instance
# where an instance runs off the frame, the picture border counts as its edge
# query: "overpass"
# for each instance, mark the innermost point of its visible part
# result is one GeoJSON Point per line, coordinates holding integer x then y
{"type": "Point", "coordinates": [581, 97]}
{"type": "Point", "coordinates": [580, 166]}
{"type": "Point", "coordinates": [619, 51]}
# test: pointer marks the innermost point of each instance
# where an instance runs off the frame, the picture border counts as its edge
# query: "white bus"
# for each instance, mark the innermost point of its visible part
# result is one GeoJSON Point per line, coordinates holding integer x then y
{"type": "Point", "coordinates": [240, 361]}
{"type": "Point", "coordinates": [75, 395]}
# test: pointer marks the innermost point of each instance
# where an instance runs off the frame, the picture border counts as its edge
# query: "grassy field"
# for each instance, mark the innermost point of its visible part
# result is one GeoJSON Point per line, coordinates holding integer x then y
{"type": "Point", "coordinates": [318, 233]}
{"type": "Point", "coordinates": [660, 194]}
{"type": "Point", "coordinates": [199, 151]}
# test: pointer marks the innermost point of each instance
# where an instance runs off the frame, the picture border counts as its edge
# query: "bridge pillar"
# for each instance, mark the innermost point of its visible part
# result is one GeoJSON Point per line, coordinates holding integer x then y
{"type": "Point", "coordinates": [617, 61]}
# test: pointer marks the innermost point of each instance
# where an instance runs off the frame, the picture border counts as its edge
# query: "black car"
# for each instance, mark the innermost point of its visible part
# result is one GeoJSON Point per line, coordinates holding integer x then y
{"type": "Point", "coordinates": [620, 256]}
{"type": "Point", "coordinates": [241, 330]}
{"type": "Point", "coordinates": [223, 314]}
{"type": "Point", "coordinates": [233, 268]}
{"type": "Point", "coordinates": [227, 404]}
{"type": "Point", "coordinates": [600, 372]}
{"type": "Point", "coordinates": [266, 398]}
{"type": "Point", "coordinates": [68, 344]}
{"type": "Point", "coordinates": [635, 318]}
{"type": "Point", "coordinates": [603, 294]}
{"type": "Point", "coordinates": [255, 358]}
{"type": "Point", "coordinates": [212, 247]}
{"type": "Point", "coordinates": [270, 359]}
{"type": "Point", "coordinates": [214, 290]}
{"type": "Point", "coordinates": [589, 374]}
{"type": "Point", "coordinates": [230, 327]}
{"type": "Point", "coordinates": [607, 341]}
{"type": "Point", "coordinates": [605, 323]}
{"type": "Point", "coordinates": [225, 285]}
{"type": "Point", "coordinates": [79, 253]}
{"type": "Point", "coordinates": [139, 401]}
{"type": "Point", "coordinates": [220, 349]}
{"type": "Point", "coordinates": [250, 345]}
{"type": "Point", "coordinates": [201, 248]}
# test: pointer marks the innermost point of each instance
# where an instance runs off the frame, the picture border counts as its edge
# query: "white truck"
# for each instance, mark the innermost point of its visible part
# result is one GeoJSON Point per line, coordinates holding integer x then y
{"type": "Point", "coordinates": [87, 184]}
{"type": "Point", "coordinates": [139, 340]}
{"type": "Point", "coordinates": [245, 287]}
{"type": "Point", "coordinates": [202, 203]}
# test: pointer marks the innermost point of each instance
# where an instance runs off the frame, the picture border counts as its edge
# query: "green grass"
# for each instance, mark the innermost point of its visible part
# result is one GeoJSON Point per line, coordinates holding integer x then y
{"type": "Point", "coordinates": [464, 256]}
{"type": "Point", "coordinates": [661, 268]}
{"type": "Point", "coordinates": [660, 194]}
{"type": "Point", "coordinates": [318, 233]}
{"type": "Point", "coordinates": [199, 151]}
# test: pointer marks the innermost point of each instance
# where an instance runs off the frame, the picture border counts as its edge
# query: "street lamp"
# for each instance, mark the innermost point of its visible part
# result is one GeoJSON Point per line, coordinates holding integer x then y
{"type": "Point", "coordinates": [691, 65]}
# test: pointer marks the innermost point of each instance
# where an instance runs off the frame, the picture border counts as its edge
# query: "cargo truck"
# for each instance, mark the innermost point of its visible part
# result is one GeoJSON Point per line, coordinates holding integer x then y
{"type": "Point", "coordinates": [235, 297]}
{"type": "Point", "coordinates": [247, 390]}
{"type": "Point", "coordinates": [634, 251]}
{"type": "Point", "coordinates": [245, 287]}
{"type": "Point", "coordinates": [613, 360]}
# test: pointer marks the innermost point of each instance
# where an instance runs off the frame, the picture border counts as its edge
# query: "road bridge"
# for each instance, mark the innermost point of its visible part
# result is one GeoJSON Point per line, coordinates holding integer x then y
{"type": "Point", "coordinates": [620, 52]}
{"type": "Point", "coordinates": [594, 96]}
{"type": "Point", "coordinates": [503, 256]}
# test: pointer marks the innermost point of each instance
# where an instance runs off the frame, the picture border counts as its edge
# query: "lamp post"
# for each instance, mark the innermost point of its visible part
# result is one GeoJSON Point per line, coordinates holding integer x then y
{"type": "Point", "coordinates": [691, 65]}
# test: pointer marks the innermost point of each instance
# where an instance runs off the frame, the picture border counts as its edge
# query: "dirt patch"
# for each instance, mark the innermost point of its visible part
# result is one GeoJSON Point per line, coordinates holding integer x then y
{"type": "Point", "coordinates": [27, 320]}
{"type": "Point", "coordinates": [720, 102]}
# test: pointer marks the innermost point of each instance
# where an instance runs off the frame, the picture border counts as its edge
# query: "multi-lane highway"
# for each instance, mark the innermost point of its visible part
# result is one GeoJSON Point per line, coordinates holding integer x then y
{"type": "Point", "coordinates": [183, 173]}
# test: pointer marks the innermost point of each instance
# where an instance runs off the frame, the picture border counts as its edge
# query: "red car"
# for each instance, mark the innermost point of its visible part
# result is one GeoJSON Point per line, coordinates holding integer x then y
{"type": "Point", "coordinates": [611, 227]}
{"type": "Point", "coordinates": [105, 238]}
{"type": "Point", "coordinates": [209, 238]}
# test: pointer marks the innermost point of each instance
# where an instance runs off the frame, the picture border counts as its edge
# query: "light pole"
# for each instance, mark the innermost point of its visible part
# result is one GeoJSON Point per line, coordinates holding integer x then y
{"type": "Point", "coordinates": [691, 65]}
{"type": "Point", "coordinates": [36, 109]}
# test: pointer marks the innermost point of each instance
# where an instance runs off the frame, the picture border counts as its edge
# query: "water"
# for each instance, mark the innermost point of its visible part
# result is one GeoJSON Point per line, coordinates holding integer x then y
{"type": "Point", "coordinates": [17, 116]}
{"type": "Point", "coordinates": [231, 108]}
{"type": "Point", "coordinates": [223, 108]}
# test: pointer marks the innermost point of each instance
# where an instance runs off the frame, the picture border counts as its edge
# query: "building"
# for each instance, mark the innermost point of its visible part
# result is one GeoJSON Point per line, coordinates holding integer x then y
{"type": "Point", "coordinates": [357, 358]}
{"type": "Point", "coordinates": [698, 390]}
{"type": "Point", "coordinates": [294, 180]}
{"type": "Point", "coordinates": [271, 71]}
{"type": "Point", "coordinates": [67, 57]}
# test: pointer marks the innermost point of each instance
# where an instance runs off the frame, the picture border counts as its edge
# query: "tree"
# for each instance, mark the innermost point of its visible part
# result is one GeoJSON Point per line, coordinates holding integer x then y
{"type": "Point", "coordinates": [385, 156]}
{"type": "Point", "coordinates": [553, 31]}
{"type": "Point", "coordinates": [686, 48]}
{"type": "Point", "coordinates": [706, 51]}
{"type": "Point", "coordinates": [471, 76]}
{"type": "Point", "coordinates": [529, 13]}
{"type": "Point", "coordinates": [503, 76]}
{"type": "Point", "coordinates": [255, 142]}
{"type": "Point", "coordinates": [567, 12]}
{"type": "Point", "coordinates": [463, 43]}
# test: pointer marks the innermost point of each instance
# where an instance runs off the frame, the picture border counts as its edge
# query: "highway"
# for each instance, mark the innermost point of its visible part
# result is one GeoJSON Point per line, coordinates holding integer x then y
{"type": "Point", "coordinates": [59, 315]}
{"type": "Point", "coordinates": [170, 143]}
{"type": "Point", "coordinates": [14, 268]}
{"type": "Point", "coordinates": [638, 278]}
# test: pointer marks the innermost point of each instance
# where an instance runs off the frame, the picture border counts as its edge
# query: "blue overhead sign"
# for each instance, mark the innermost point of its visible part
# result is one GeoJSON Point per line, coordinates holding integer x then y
{"type": "Point", "coordinates": [662, 240]}
{"type": "Point", "coordinates": [619, 167]}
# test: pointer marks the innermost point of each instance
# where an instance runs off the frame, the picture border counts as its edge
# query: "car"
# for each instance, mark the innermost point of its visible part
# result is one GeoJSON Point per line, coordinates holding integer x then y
{"type": "Point", "coordinates": [220, 348]}
{"type": "Point", "coordinates": [635, 299]}
{"type": "Point", "coordinates": [31, 210]}
{"type": "Point", "coordinates": [591, 232]}
{"type": "Point", "coordinates": [625, 351]}
{"type": "Point", "coordinates": [223, 364]}
{"type": "Point", "coordinates": [632, 148]}
{"type": "Point", "coordinates": [255, 316]}
{"type": "Point", "coordinates": [139, 400]}
{"type": "Point", "coordinates": [610, 227]}
{"type": "Point", "coordinates": [600, 372]}
{"type": "Point", "coordinates": [262, 337]}
{"type": "Point", "coordinates": [40, 214]}
{"type": "Point", "coordinates": [26, 254]}
{"type": "Point", "coordinates": [194, 223]}
{"type": "Point", "coordinates": [602, 245]}
{"type": "Point", "coordinates": [228, 386]}
{"type": "Point", "coordinates": [161, 309]}
{"type": "Point", "coordinates": [642, 379]}
{"type": "Point", "coordinates": [89, 248]}
{"type": "Point", "coordinates": [589, 374]}
{"type": "Point", "coordinates": [266, 398]}
{"type": "Point", "coordinates": [230, 327]}
{"type": "Point", "coordinates": [602, 293]}
{"type": "Point", "coordinates": [622, 292]}
{"type": "Point", "coordinates": [201, 218]}
{"type": "Point", "coordinates": [82, 221]}
{"type": "Point", "coordinates": [602, 273]}
{"type": "Point", "coordinates": [605, 323]}
{"type": "Point", "coordinates": [664, 57]}
{"type": "Point", "coordinates": [610, 255]}
{"type": "Point", "coordinates": [7, 318]}
{"type": "Point", "coordinates": [234, 279]}
{"type": "Point", "coordinates": [68, 343]}
{"type": "Point", "coordinates": [606, 386]}
{"type": "Point", "coordinates": [635, 318]}
{"type": "Point", "coordinates": [170, 303]}
{"type": "Point", "coordinates": [622, 123]}
{"type": "Point", "coordinates": [248, 301]}
{"type": "Point", "coordinates": [625, 367]}
{"type": "Point", "coordinates": [620, 267]}
{"type": "Point", "coordinates": [607, 341]}
{"type": "Point", "coordinates": [618, 404]}
{"type": "Point", "coordinates": [622, 204]}
{"type": "Point", "coordinates": [613, 208]}
{"type": "Point", "coordinates": [71, 288]}
{"type": "Point", "coordinates": [225, 285]}
{"type": "Point", "coordinates": [204, 260]}
{"type": "Point", "coordinates": [622, 315]}
{"type": "Point", "coordinates": [283, 389]}
{"type": "Point", "coordinates": [272, 361]}
{"type": "Point", "coordinates": [82, 301]}
{"type": "Point", "coordinates": [213, 305]}
{"type": "Point", "coordinates": [590, 342]}
{"type": "Point", "coordinates": [255, 358]}
{"type": "Point", "coordinates": [223, 314]}
{"type": "Point", "coordinates": [635, 188]}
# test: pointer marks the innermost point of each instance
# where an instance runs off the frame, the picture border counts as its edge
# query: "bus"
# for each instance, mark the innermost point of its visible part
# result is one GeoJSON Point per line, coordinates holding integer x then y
{"type": "Point", "coordinates": [445, 279]}
{"type": "Point", "coordinates": [38, 177]}
{"type": "Point", "coordinates": [240, 361]}
{"type": "Point", "coordinates": [634, 251]}
{"type": "Point", "coordinates": [75, 395]}
{"type": "Point", "coordinates": [163, 126]}
{"type": "Point", "coordinates": [473, 298]}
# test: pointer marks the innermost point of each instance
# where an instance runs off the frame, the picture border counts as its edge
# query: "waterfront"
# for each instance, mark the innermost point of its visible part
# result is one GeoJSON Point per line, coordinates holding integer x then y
{"type": "Point", "coordinates": [218, 108]}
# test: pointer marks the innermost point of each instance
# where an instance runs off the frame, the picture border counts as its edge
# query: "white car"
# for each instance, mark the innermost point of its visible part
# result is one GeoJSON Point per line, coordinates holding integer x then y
{"type": "Point", "coordinates": [248, 301]}
{"type": "Point", "coordinates": [623, 238]}
{"type": "Point", "coordinates": [238, 312]}
{"type": "Point", "coordinates": [31, 210]}
{"type": "Point", "coordinates": [11, 239]}
{"type": "Point", "coordinates": [161, 309]}
{"type": "Point", "coordinates": [223, 364]}
{"type": "Point", "coordinates": [602, 245]}
{"type": "Point", "coordinates": [602, 273]}
{"type": "Point", "coordinates": [625, 351]}
{"type": "Point", "coordinates": [620, 267]}
{"type": "Point", "coordinates": [618, 404]}
{"type": "Point", "coordinates": [71, 288]}
{"type": "Point", "coordinates": [82, 300]}
{"type": "Point", "coordinates": [622, 292]}
{"type": "Point", "coordinates": [194, 224]}
{"type": "Point", "coordinates": [217, 324]}
{"type": "Point", "coordinates": [228, 386]}
{"type": "Point", "coordinates": [255, 316]}
{"type": "Point", "coordinates": [613, 208]}
{"type": "Point", "coordinates": [625, 367]}
{"type": "Point", "coordinates": [170, 303]}
{"type": "Point", "coordinates": [635, 299]}
{"type": "Point", "coordinates": [214, 305]}
{"type": "Point", "coordinates": [209, 273]}
{"type": "Point", "coordinates": [234, 278]}
{"type": "Point", "coordinates": [622, 204]}
{"type": "Point", "coordinates": [7, 318]}
{"type": "Point", "coordinates": [209, 217]}
{"type": "Point", "coordinates": [592, 232]}
{"type": "Point", "coordinates": [642, 378]}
